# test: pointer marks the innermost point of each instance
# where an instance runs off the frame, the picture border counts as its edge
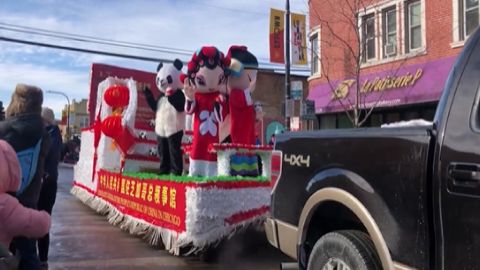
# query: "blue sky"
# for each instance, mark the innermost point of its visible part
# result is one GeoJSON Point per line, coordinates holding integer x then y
{"type": "Point", "coordinates": [179, 24]}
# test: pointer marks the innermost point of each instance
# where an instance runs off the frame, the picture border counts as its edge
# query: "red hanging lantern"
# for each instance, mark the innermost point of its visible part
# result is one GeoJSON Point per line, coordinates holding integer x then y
{"type": "Point", "coordinates": [123, 137]}
{"type": "Point", "coordinates": [112, 126]}
{"type": "Point", "coordinates": [117, 96]}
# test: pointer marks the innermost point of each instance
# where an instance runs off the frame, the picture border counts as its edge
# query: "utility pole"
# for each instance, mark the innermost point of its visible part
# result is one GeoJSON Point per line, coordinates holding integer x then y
{"type": "Point", "coordinates": [287, 65]}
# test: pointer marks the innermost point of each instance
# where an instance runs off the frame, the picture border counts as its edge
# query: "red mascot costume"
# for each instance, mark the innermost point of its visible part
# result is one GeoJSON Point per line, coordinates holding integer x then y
{"type": "Point", "coordinates": [205, 77]}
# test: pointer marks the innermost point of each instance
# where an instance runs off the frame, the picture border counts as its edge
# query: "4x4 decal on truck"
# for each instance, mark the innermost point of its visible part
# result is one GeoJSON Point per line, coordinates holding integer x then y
{"type": "Point", "coordinates": [297, 160]}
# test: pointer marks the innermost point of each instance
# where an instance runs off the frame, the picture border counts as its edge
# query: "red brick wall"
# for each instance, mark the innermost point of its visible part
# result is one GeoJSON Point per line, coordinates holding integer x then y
{"type": "Point", "coordinates": [270, 91]}
{"type": "Point", "coordinates": [332, 15]}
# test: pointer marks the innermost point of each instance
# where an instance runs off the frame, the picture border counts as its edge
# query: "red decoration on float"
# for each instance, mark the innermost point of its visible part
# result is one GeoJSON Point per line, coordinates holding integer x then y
{"type": "Point", "coordinates": [125, 141]}
{"type": "Point", "coordinates": [117, 96]}
{"type": "Point", "coordinates": [187, 149]}
{"type": "Point", "coordinates": [112, 127]}
{"type": "Point", "coordinates": [160, 203]}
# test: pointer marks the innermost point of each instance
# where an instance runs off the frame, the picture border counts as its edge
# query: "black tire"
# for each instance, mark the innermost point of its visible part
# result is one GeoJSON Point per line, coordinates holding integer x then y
{"type": "Point", "coordinates": [353, 248]}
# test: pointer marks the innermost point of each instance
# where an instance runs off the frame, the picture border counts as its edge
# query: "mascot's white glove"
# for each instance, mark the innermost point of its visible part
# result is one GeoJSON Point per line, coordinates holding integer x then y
{"type": "Point", "coordinates": [188, 89]}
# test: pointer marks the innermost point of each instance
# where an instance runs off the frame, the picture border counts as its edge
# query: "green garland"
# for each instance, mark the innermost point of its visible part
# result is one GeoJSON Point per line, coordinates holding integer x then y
{"type": "Point", "coordinates": [193, 179]}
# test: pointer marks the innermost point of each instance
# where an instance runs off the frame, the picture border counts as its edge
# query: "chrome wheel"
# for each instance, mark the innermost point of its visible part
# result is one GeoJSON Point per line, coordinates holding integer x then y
{"type": "Point", "coordinates": [335, 264]}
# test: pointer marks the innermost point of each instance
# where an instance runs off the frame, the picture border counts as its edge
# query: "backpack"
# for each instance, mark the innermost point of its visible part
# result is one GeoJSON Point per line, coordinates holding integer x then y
{"type": "Point", "coordinates": [28, 160]}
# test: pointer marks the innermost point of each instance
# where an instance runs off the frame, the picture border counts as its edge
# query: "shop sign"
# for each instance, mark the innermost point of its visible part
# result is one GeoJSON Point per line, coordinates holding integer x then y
{"type": "Point", "coordinates": [409, 84]}
{"type": "Point", "coordinates": [378, 84]}
{"type": "Point", "coordinates": [297, 90]}
{"type": "Point", "coordinates": [307, 110]}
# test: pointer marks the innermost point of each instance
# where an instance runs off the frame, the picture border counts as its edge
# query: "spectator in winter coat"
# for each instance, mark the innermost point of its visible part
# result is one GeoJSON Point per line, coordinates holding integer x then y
{"type": "Point", "coordinates": [15, 219]}
{"type": "Point", "coordinates": [48, 193]}
{"type": "Point", "coordinates": [23, 129]}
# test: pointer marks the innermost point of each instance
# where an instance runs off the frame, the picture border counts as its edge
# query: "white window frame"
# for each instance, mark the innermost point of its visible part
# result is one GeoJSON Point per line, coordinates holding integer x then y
{"type": "Point", "coordinates": [363, 39]}
{"type": "Point", "coordinates": [315, 32]}
{"type": "Point", "coordinates": [402, 50]}
{"type": "Point", "coordinates": [384, 14]}
{"type": "Point", "coordinates": [422, 26]}
{"type": "Point", "coordinates": [464, 14]}
{"type": "Point", "coordinates": [459, 33]}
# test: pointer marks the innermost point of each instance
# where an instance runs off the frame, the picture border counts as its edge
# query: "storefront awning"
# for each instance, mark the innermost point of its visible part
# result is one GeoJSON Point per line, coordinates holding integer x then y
{"type": "Point", "coordinates": [410, 84]}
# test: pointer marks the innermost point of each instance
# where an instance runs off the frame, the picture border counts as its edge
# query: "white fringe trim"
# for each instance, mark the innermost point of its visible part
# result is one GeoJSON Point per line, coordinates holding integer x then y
{"type": "Point", "coordinates": [157, 236]}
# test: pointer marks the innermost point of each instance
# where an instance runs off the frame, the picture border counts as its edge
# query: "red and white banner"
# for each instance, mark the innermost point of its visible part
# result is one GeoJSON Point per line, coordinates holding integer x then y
{"type": "Point", "coordinates": [161, 203]}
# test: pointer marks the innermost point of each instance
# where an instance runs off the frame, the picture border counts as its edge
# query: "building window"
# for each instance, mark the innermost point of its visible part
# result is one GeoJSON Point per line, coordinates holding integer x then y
{"type": "Point", "coordinates": [469, 17]}
{"type": "Point", "coordinates": [413, 27]}
{"type": "Point", "coordinates": [368, 34]}
{"type": "Point", "coordinates": [315, 56]}
{"type": "Point", "coordinates": [389, 17]}
{"type": "Point", "coordinates": [84, 122]}
{"type": "Point", "coordinates": [465, 18]}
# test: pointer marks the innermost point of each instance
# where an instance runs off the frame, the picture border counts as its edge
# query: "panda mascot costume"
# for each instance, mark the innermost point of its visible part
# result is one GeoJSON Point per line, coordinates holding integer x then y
{"type": "Point", "coordinates": [170, 116]}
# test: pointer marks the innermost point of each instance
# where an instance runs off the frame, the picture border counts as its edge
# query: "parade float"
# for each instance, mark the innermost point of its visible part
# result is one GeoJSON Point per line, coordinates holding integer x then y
{"type": "Point", "coordinates": [116, 175]}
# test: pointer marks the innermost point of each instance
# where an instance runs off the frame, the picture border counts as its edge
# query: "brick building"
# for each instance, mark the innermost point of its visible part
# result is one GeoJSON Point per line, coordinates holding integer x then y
{"type": "Point", "coordinates": [270, 92]}
{"type": "Point", "coordinates": [403, 49]}
{"type": "Point", "coordinates": [79, 118]}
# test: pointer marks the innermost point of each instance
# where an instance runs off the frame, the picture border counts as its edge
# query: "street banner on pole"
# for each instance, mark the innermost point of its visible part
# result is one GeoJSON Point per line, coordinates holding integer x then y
{"type": "Point", "coordinates": [277, 28]}
{"type": "Point", "coordinates": [299, 39]}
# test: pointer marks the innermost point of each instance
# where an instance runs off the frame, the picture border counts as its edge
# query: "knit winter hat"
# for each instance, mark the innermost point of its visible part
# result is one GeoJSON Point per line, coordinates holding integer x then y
{"type": "Point", "coordinates": [10, 174]}
{"type": "Point", "coordinates": [48, 115]}
{"type": "Point", "coordinates": [26, 99]}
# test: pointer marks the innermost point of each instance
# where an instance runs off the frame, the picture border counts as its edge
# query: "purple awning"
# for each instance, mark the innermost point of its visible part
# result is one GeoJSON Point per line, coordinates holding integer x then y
{"type": "Point", "coordinates": [406, 85]}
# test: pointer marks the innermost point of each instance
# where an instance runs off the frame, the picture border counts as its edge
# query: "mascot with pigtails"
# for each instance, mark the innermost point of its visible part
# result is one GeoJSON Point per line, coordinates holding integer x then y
{"type": "Point", "coordinates": [202, 84]}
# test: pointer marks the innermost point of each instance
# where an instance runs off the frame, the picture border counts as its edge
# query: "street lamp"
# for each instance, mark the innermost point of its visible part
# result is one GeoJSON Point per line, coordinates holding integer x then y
{"type": "Point", "coordinates": [68, 109]}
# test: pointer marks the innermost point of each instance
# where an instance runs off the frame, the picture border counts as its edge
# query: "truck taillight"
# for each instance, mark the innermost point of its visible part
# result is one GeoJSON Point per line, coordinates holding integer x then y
{"type": "Point", "coordinates": [276, 167]}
